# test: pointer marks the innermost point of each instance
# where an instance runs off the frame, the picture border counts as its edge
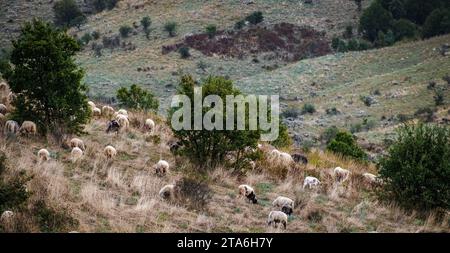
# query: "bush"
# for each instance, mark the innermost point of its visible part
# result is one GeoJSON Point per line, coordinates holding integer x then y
{"type": "Point", "coordinates": [97, 48]}
{"type": "Point", "coordinates": [348, 33]}
{"type": "Point", "coordinates": [291, 113]}
{"type": "Point", "coordinates": [86, 38]}
{"type": "Point", "coordinates": [438, 97]}
{"type": "Point", "coordinates": [308, 108]}
{"type": "Point", "coordinates": [329, 134]}
{"type": "Point", "coordinates": [283, 140]}
{"type": "Point", "coordinates": [171, 28]}
{"type": "Point", "coordinates": [345, 144]}
{"type": "Point", "coordinates": [367, 100]}
{"type": "Point", "coordinates": [67, 13]}
{"type": "Point", "coordinates": [101, 5]}
{"type": "Point", "coordinates": [425, 114]}
{"type": "Point", "coordinates": [446, 78]}
{"type": "Point", "coordinates": [125, 31]}
{"type": "Point", "coordinates": [193, 192]}
{"type": "Point", "coordinates": [44, 67]}
{"type": "Point", "coordinates": [184, 52]}
{"type": "Point", "coordinates": [95, 35]}
{"type": "Point", "coordinates": [404, 28]}
{"type": "Point", "coordinates": [332, 111]}
{"type": "Point", "coordinates": [335, 43]}
{"type": "Point", "coordinates": [239, 25]}
{"type": "Point", "coordinates": [146, 22]}
{"type": "Point", "coordinates": [111, 42]}
{"type": "Point", "coordinates": [53, 220]}
{"type": "Point", "coordinates": [416, 170]}
{"type": "Point", "coordinates": [353, 45]}
{"type": "Point", "coordinates": [364, 45]}
{"type": "Point", "coordinates": [211, 30]}
{"type": "Point", "coordinates": [255, 18]}
{"type": "Point", "coordinates": [137, 98]}
{"type": "Point", "coordinates": [375, 19]}
{"type": "Point", "coordinates": [437, 23]}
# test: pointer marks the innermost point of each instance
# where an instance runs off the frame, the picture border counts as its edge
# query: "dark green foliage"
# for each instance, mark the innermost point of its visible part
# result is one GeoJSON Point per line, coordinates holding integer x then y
{"type": "Point", "coordinates": [86, 38]}
{"type": "Point", "coordinates": [437, 23]}
{"type": "Point", "coordinates": [367, 100]}
{"type": "Point", "coordinates": [47, 79]}
{"type": "Point", "coordinates": [345, 144]}
{"type": "Point", "coordinates": [51, 220]}
{"type": "Point", "coordinates": [101, 5]}
{"type": "Point", "coordinates": [335, 43]}
{"type": "Point", "coordinates": [67, 13]}
{"type": "Point", "coordinates": [329, 134]}
{"type": "Point", "coordinates": [438, 97]}
{"type": "Point", "coordinates": [239, 25]}
{"type": "Point", "coordinates": [308, 108]}
{"type": "Point", "coordinates": [425, 114]}
{"type": "Point", "coordinates": [418, 10]}
{"type": "Point", "coordinates": [255, 18]}
{"type": "Point", "coordinates": [211, 30]}
{"type": "Point", "coordinates": [137, 98]}
{"type": "Point", "coordinates": [404, 28]}
{"type": "Point", "coordinates": [207, 148]}
{"type": "Point", "coordinates": [184, 52]}
{"type": "Point", "coordinates": [283, 140]}
{"type": "Point", "coordinates": [146, 22]}
{"type": "Point", "coordinates": [348, 33]}
{"type": "Point", "coordinates": [125, 31]}
{"type": "Point", "coordinates": [171, 28]}
{"type": "Point", "coordinates": [373, 20]}
{"type": "Point", "coordinates": [353, 45]}
{"type": "Point", "coordinates": [397, 8]}
{"type": "Point", "coordinates": [95, 35]}
{"type": "Point", "coordinates": [291, 113]}
{"type": "Point", "coordinates": [194, 192]}
{"type": "Point", "coordinates": [416, 172]}
{"type": "Point", "coordinates": [332, 111]}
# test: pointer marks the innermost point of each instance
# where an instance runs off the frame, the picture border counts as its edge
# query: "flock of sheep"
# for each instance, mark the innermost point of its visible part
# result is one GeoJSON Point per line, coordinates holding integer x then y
{"type": "Point", "coordinates": [120, 122]}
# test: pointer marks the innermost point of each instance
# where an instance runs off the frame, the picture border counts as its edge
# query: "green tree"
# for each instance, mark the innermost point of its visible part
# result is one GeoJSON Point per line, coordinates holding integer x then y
{"type": "Point", "coordinates": [47, 79]}
{"type": "Point", "coordinates": [146, 22]}
{"type": "Point", "coordinates": [255, 18]}
{"type": "Point", "coordinates": [404, 28]}
{"type": "Point", "coordinates": [416, 171]}
{"type": "Point", "coordinates": [437, 23]}
{"type": "Point", "coordinates": [208, 148]}
{"type": "Point", "coordinates": [125, 31]}
{"type": "Point", "coordinates": [283, 140]}
{"type": "Point", "coordinates": [137, 98]}
{"type": "Point", "coordinates": [397, 8]}
{"type": "Point", "coordinates": [211, 30]}
{"type": "Point", "coordinates": [345, 144]}
{"type": "Point", "coordinates": [67, 13]}
{"type": "Point", "coordinates": [373, 20]}
{"type": "Point", "coordinates": [171, 28]}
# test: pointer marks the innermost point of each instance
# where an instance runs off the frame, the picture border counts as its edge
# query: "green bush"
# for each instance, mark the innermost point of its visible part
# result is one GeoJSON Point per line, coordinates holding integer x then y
{"type": "Point", "coordinates": [137, 98]}
{"type": "Point", "coordinates": [438, 97]}
{"type": "Point", "coordinates": [375, 19]}
{"type": "Point", "coordinates": [345, 144]}
{"type": "Point", "coordinates": [329, 134]}
{"type": "Point", "coordinates": [146, 22]}
{"type": "Point", "coordinates": [171, 28]}
{"type": "Point", "coordinates": [95, 35]}
{"type": "Point", "coordinates": [101, 5]}
{"type": "Point", "coordinates": [184, 52]}
{"type": "Point", "coordinates": [437, 23]}
{"type": "Point", "coordinates": [255, 18]}
{"type": "Point", "coordinates": [404, 28]}
{"type": "Point", "coordinates": [416, 170]}
{"type": "Point", "coordinates": [125, 31]}
{"type": "Point", "coordinates": [211, 30]}
{"type": "Point", "coordinates": [308, 108]}
{"type": "Point", "coordinates": [291, 113]}
{"type": "Point", "coordinates": [348, 33]}
{"type": "Point", "coordinates": [283, 140]}
{"type": "Point", "coordinates": [239, 25]}
{"type": "Point", "coordinates": [86, 38]}
{"type": "Point", "coordinates": [51, 220]}
{"type": "Point", "coordinates": [67, 13]}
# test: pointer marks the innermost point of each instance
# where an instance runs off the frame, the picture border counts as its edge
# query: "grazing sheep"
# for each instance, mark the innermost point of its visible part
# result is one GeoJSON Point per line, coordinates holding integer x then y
{"type": "Point", "coordinates": [3, 87]}
{"type": "Point", "coordinates": [123, 121]}
{"type": "Point", "coordinates": [167, 192]}
{"type": "Point", "coordinates": [28, 127]}
{"type": "Point", "coordinates": [310, 182]}
{"type": "Point", "coordinates": [371, 179]}
{"type": "Point", "coordinates": [92, 105]}
{"type": "Point", "coordinates": [285, 203]}
{"type": "Point", "coordinates": [149, 125]}
{"type": "Point", "coordinates": [122, 112]}
{"type": "Point", "coordinates": [6, 216]}
{"type": "Point", "coordinates": [299, 158]}
{"type": "Point", "coordinates": [2, 120]}
{"type": "Point", "coordinates": [43, 155]}
{"type": "Point", "coordinates": [280, 157]}
{"type": "Point", "coordinates": [3, 109]}
{"type": "Point", "coordinates": [107, 111]}
{"type": "Point", "coordinates": [110, 152]}
{"type": "Point", "coordinates": [11, 127]}
{"type": "Point", "coordinates": [96, 112]}
{"type": "Point", "coordinates": [76, 154]}
{"type": "Point", "coordinates": [341, 174]}
{"type": "Point", "coordinates": [12, 97]}
{"type": "Point", "coordinates": [286, 158]}
{"type": "Point", "coordinates": [161, 167]}
{"type": "Point", "coordinates": [247, 191]}
{"type": "Point", "coordinates": [75, 142]}
{"type": "Point", "coordinates": [277, 217]}
{"type": "Point", "coordinates": [113, 126]}
{"type": "Point", "coordinates": [174, 146]}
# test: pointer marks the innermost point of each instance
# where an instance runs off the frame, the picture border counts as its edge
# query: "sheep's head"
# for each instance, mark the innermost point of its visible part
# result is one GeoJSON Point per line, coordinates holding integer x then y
{"type": "Point", "coordinates": [287, 210]}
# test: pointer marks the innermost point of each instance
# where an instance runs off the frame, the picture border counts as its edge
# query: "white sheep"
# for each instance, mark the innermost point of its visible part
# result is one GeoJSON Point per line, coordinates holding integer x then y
{"type": "Point", "coordinates": [371, 179]}
{"type": "Point", "coordinates": [76, 154]}
{"type": "Point", "coordinates": [340, 174]}
{"type": "Point", "coordinates": [96, 112]}
{"type": "Point", "coordinates": [310, 182]}
{"type": "Point", "coordinates": [12, 97]}
{"type": "Point", "coordinates": [28, 127]}
{"type": "Point", "coordinates": [107, 111]}
{"type": "Point", "coordinates": [280, 157]}
{"type": "Point", "coordinates": [161, 168]}
{"type": "Point", "coordinates": [277, 217]}
{"type": "Point", "coordinates": [285, 203]}
{"type": "Point", "coordinates": [43, 155]}
{"type": "Point", "coordinates": [167, 192]}
{"type": "Point", "coordinates": [122, 112]}
{"type": "Point", "coordinates": [248, 192]}
{"type": "Point", "coordinates": [3, 109]}
{"type": "Point", "coordinates": [110, 152]}
{"type": "Point", "coordinates": [149, 125]}
{"type": "Point", "coordinates": [3, 87]}
{"type": "Point", "coordinates": [123, 121]}
{"type": "Point", "coordinates": [11, 127]}
{"type": "Point", "coordinates": [76, 142]}
{"type": "Point", "coordinates": [91, 104]}
{"type": "Point", "coordinates": [6, 216]}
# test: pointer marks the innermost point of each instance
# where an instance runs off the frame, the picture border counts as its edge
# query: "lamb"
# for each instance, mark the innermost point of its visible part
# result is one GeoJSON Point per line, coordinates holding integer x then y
{"type": "Point", "coordinates": [75, 142]}
{"type": "Point", "coordinates": [110, 152]}
{"type": "Point", "coordinates": [123, 121]}
{"type": "Point", "coordinates": [107, 111]}
{"type": "Point", "coordinates": [11, 127]}
{"type": "Point", "coordinates": [247, 191]}
{"type": "Point", "coordinates": [277, 217]}
{"type": "Point", "coordinates": [310, 182]}
{"type": "Point", "coordinates": [6, 216]}
{"type": "Point", "coordinates": [167, 192]}
{"type": "Point", "coordinates": [113, 126]}
{"type": "Point", "coordinates": [149, 125]}
{"type": "Point", "coordinates": [161, 167]}
{"type": "Point", "coordinates": [285, 203]}
{"type": "Point", "coordinates": [3, 109]}
{"type": "Point", "coordinates": [76, 154]}
{"type": "Point", "coordinates": [28, 127]}
{"type": "Point", "coordinates": [341, 174]}
{"type": "Point", "coordinates": [299, 158]}
{"type": "Point", "coordinates": [43, 155]}
{"type": "Point", "coordinates": [96, 112]}
{"type": "Point", "coordinates": [371, 179]}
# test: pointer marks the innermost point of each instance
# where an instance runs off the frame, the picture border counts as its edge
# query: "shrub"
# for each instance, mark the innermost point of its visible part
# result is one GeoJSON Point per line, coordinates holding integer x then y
{"type": "Point", "coordinates": [308, 108]}
{"type": "Point", "coordinates": [125, 31]}
{"type": "Point", "coordinates": [171, 28]}
{"type": "Point", "coordinates": [356, 128]}
{"type": "Point", "coordinates": [353, 45]}
{"type": "Point", "coordinates": [137, 98]}
{"type": "Point", "coordinates": [111, 42]}
{"type": "Point", "coordinates": [335, 43]}
{"type": "Point", "coordinates": [211, 30]}
{"type": "Point", "coordinates": [377, 92]}
{"type": "Point", "coordinates": [446, 78]}
{"type": "Point", "coordinates": [239, 25]}
{"type": "Point", "coordinates": [95, 35]}
{"type": "Point", "coordinates": [44, 68]}
{"type": "Point", "coordinates": [416, 170]}
{"type": "Point", "coordinates": [86, 38]}
{"type": "Point", "coordinates": [397, 8]}
{"type": "Point", "coordinates": [97, 48]}
{"type": "Point", "coordinates": [438, 97]}
{"type": "Point", "coordinates": [364, 45]}
{"type": "Point", "coordinates": [291, 113]}
{"type": "Point", "coordinates": [184, 52]}
{"type": "Point", "coordinates": [283, 140]}
{"type": "Point", "coordinates": [374, 19]}
{"type": "Point", "coordinates": [345, 144]}
{"type": "Point", "coordinates": [193, 192]}
{"type": "Point", "coordinates": [367, 100]}
{"type": "Point", "coordinates": [146, 22]}
{"type": "Point", "coordinates": [348, 33]}
{"type": "Point", "coordinates": [437, 23]}
{"type": "Point", "coordinates": [101, 5]}
{"type": "Point", "coordinates": [342, 46]}
{"type": "Point", "coordinates": [404, 28]}
{"type": "Point", "coordinates": [67, 13]}
{"type": "Point", "coordinates": [332, 111]}
{"type": "Point", "coordinates": [255, 18]}
{"type": "Point", "coordinates": [426, 114]}
{"type": "Point", "coordinates": [329, 134]}
{"type": "Point", "coordinates": [51, 219]}
{"type": "Point", "coordinates": [431, 85]}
